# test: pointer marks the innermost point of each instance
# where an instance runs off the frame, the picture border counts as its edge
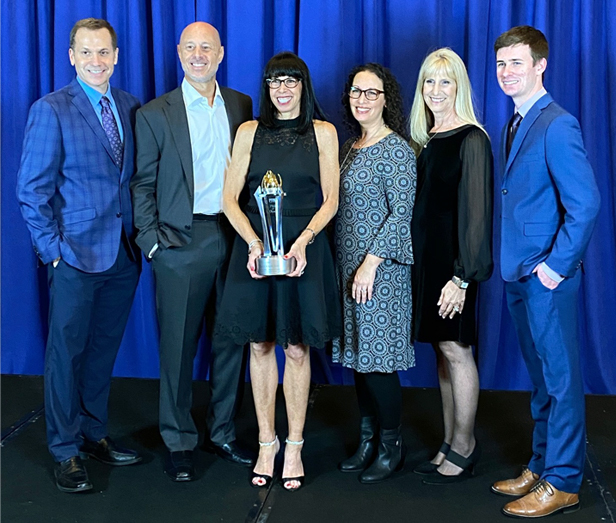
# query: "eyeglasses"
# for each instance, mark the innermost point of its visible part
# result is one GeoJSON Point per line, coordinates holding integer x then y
{"type": "Point", "coordinates": [370, 94]}
{"type": "Point", "coordinates": [275, 83]}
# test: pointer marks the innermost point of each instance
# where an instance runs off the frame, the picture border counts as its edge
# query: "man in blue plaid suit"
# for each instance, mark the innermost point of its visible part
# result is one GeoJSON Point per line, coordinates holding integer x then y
{"type": "Point", "coordinates": [73, 189]}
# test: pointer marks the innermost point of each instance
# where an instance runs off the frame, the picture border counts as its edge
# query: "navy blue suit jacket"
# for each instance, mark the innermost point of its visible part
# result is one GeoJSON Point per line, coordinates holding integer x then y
{"type": "Point", "coordinates": [550, 199]}
{"type": "Point", "coordinates": [74, 198]}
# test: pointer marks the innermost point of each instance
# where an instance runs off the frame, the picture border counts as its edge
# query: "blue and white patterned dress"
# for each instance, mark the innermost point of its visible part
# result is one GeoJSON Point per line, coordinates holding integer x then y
{"type": "Point", "coordinates": [377, 192]}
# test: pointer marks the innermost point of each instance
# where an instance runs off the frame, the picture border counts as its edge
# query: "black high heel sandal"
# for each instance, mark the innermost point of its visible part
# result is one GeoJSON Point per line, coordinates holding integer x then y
{"type": "Point", "coordinates": [267, 479]}
{"type": "Point", "coordinates": [299, 479]}
{"type": "Point", "coordinates": [466, 464]}
{"type": "Point", "coordinates": [427, 467]}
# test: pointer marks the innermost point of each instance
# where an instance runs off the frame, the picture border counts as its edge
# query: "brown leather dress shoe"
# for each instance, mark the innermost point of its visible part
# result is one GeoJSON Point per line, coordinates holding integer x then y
{"type": "Point", "coordinates": [519, 486]}
{"type": "Point", "coordinates": [542, 500]}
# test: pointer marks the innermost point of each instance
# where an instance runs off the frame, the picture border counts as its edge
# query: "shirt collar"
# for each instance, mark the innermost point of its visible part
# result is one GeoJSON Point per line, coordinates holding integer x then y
{"type": "Point", "coordinates": [526, 106]}
{"type": "Point", "coordinates": [191, 95]}
{"type": "Point", "coordinates": [93, 95]}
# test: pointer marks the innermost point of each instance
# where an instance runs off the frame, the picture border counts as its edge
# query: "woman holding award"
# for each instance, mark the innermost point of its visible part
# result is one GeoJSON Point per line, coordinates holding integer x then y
{"type": "Point", "coordinates": [374, 256]}
{"type": "Point", "coordinates": [297, 154]}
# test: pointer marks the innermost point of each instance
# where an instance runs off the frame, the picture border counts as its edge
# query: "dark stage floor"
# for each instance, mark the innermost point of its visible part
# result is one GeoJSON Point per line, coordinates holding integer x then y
{"type": "Point", "coordinates": [222, 493]}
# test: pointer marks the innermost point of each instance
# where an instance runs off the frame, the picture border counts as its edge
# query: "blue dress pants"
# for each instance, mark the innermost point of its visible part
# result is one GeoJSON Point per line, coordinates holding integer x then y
{"type": "Point", "coordinates": [546, 322]}
{"type": "Point", "coordinates": [87, 316]}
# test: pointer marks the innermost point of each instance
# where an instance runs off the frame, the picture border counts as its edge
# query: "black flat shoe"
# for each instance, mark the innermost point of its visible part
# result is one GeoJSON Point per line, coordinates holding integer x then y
{"type": "Point", "coordinates": [232, 453]}
{"type": "Point", "coordinates": [71, 476]}
{"type": "Point", "coordinates": [427, 467]}
{"type": "Point", "coordinates": [107, 452]}
{"type": "Point", "coordinates": [180, 466]}
{"type": "Point", "coordinates": [466, 464]}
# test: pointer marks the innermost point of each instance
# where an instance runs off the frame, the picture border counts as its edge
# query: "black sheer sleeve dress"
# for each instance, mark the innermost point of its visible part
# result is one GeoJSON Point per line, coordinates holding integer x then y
{"type": "Point", "coordinates": [451, 229]}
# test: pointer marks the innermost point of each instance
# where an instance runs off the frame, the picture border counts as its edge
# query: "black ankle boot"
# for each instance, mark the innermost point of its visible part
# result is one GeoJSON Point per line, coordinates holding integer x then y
{"type": "Point", "coordinates": [367, 446]}
{"type": "Point", "coordinates": [390, 457]}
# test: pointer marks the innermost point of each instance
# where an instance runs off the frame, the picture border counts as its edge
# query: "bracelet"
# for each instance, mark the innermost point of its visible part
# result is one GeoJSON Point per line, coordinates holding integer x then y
{"type": "Point", "coordinates": [459, 282]}
{"type": "Point", "coordinates": [253, 243]}
{"type": "Point", "coordinates": [313, 235]}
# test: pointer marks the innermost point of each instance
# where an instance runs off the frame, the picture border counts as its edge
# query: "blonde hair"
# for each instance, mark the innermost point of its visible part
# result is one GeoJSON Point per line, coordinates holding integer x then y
{"type": "Point", "coordinates": [446, 62]}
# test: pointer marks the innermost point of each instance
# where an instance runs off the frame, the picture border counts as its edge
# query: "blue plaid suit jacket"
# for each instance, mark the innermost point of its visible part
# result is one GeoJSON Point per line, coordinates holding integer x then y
{"type": "Point", "coordinates": [74, 198]}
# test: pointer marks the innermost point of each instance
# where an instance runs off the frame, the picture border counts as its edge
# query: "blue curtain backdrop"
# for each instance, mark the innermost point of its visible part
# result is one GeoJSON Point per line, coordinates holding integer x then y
{"type": "Point", "coordinates": [332, 36]}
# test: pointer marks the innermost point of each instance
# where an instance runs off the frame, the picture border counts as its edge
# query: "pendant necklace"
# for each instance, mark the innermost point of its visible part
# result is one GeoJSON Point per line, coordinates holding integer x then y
{"type": "Point", "coordinates": [344, 164]}
{"type": "Point", "coordinates": [430, 139]}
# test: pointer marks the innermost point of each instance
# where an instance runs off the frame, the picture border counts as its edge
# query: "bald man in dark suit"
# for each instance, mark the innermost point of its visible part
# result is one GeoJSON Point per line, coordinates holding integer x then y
{"type": "Point", "coordinates": [184, 140]}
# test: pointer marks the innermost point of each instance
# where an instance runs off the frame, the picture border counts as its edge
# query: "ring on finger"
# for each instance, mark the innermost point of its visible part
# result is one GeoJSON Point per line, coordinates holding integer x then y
{"type": "Point", "coordinates": [456, 309]}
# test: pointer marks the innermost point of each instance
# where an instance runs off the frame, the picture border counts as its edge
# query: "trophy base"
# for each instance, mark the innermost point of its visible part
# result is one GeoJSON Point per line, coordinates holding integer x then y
{"type": "Point", "coordinates": [275, 265]}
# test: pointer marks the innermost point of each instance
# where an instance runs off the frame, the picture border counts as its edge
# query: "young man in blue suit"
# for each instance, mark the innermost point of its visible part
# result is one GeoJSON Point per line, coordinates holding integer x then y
{"type": "Point", "coordinates": [550, 202]}
{"type": "Point", "coordinates": [73, 189]}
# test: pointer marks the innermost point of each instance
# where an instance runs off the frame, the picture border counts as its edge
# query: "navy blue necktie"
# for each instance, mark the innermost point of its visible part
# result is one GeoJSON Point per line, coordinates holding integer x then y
{"type": "Point", "coordinates": [512, 129]}
{"type": "Point", "coordinates": [111, 129]}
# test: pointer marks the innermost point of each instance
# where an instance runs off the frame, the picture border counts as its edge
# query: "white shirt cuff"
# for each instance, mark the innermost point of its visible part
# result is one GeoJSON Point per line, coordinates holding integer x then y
{"type": "Point", "coordinates": [554, 275]}
{"type": "Point", "coordinates": [153, 250]}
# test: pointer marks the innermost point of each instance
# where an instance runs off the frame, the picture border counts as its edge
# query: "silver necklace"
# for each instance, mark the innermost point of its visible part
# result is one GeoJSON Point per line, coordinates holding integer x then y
{"type": "Point", "coordinates": [344, 163]}
{"type": "Point", "coordinates": [429, 140]}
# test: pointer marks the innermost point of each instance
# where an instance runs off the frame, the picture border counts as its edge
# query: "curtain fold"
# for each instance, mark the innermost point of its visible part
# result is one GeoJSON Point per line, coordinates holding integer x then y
{"type": "Point", "coordinates": [331, 37]}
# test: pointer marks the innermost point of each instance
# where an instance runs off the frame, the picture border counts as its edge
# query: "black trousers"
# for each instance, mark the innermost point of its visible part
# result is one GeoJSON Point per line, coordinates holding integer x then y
{"type": "Point", "coordinates": [87, 316]}
{"type": "Point", "coordinates": [189, 283]}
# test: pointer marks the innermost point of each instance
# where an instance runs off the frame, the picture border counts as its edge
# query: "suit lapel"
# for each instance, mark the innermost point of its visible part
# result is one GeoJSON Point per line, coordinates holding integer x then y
{"type": "Point", "coordinates": [233, 112]}
{"type": "Point", "coordinates": [81, 101]}
{"type": "Point", "coordinates": [124, 112]}
{"type": "Point", "coordinates": [525, 125]}
{"type": "Point", "coordinates": [175, 112]}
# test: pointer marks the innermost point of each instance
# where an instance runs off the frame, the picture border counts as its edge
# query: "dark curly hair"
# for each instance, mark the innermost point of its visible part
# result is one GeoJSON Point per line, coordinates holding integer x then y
{"type": "Point", "coordinates": [393, 112]}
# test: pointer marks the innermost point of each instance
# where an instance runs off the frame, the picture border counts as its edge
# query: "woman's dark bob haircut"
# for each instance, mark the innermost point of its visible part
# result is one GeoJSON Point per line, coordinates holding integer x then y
{"type": "Point", "coordinates": [393, 112]}
{"type": "Point", "coordinates": [289, 64]}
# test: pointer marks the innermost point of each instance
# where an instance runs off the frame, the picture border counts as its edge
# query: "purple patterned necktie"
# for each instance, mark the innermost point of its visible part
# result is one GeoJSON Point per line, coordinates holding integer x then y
{"type": "Point", "coordinates": [111, 129]}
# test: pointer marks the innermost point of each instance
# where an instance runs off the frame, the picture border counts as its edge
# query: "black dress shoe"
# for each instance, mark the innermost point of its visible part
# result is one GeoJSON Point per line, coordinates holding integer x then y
{"type": "Point", "coordinates": [466, 464]}
{"type": "Point", "coordinates": [107, 452]}
{"type": "Point", "coordinates": [71, 476]}
{"type": "Point", "coordinates": [233, 453]}
{"type": "Point", "coordinates": [180, 466]}
{"type": "Point", "coordinates": [427, 467]}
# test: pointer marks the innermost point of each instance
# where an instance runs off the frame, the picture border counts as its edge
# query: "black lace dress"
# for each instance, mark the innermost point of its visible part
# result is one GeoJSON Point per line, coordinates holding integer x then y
{"type": "Point", "coordinates": [451, 229]}
{"type": "Point", "coordinates": [278, 308]}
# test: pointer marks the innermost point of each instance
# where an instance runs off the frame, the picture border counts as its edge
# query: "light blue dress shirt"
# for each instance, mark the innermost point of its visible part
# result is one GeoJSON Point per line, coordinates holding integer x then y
{"type": "Point", "coordinates": [210, 142]}
{"type": "Point", "coordinates": [95, 99]}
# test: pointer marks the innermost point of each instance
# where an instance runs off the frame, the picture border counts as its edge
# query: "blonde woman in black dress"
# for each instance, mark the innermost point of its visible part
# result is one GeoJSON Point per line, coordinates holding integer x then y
{"type": "Point", "coordinates": [452, 230]}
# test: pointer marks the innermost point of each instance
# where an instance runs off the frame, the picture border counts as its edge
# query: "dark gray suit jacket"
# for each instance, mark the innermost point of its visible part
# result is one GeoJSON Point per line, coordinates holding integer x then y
{"type": "Point", "coordinates": [163, 187]}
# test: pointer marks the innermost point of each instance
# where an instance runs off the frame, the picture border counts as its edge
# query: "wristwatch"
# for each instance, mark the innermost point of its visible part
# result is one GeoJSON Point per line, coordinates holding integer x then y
{"type": "Point", "coordinates": [462, 284]}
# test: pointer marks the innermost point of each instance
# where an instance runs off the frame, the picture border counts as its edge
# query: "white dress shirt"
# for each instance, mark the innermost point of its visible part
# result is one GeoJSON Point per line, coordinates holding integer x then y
{"type": "Point", "coordinates": [210, 141]}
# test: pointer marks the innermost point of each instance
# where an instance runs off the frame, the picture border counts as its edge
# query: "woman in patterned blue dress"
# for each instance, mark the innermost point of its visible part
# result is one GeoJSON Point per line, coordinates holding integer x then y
{"type": "Point", "coordinates": [373, 261]}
